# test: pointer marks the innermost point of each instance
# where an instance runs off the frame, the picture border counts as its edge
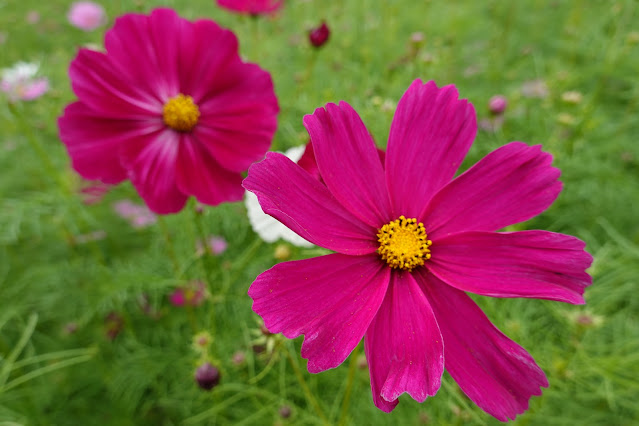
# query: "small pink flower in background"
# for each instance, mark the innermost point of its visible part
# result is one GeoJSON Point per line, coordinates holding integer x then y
{"type": "Point", "coordinates": [33, 17]}
{"type": "Point", "coordinates": [20, 82]}
{"type": "Point", "coordinates": [86, 15]}
{"type": "Point", "coordinates": [177, 297]}
{"type": "Point", "coordinates": [251, 7]}
{"type": "Point", "coordinates": [497, 104]}
{"type": "Point", "coordinates": [217, 245]}
{"type": "Point", "coordinates": [167, 107]}
{"type": "Point", "coordinates": [410, 241]}
{"type": "Point", "coordinates": [319, 36]}
{"type": "Point", "coordinates": [93, 191]}
{"type": "Point", "coordinates": [192, 294]}
{"type": "Point", "coordinates": [137, 215]}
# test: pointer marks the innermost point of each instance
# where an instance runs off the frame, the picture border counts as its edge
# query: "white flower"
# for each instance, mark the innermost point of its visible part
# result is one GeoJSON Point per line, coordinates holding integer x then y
{"type": "Point", "coordinates": [268, 228]}
{"type": "Point", "coordinates": [20, 82]}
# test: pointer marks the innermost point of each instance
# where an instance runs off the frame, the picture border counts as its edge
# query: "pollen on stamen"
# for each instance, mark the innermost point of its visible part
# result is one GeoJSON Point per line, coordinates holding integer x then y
{"type": "Point", "coordinates": [180, 113]}
{"type": "Point", "coordinates": [403, 244]}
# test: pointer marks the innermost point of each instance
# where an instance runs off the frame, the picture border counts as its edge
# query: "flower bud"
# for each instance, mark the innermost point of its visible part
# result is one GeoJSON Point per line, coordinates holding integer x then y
{"type": "Point", "coordinates": [207, 376]}
{"type": "Point", "coordinates": [285, 411]}
{"type": "Point", "coordinates": [497, 104]}
{"type": "Point", "coordinates": [239, 358]}
{"type": "Point", "coordinates": [318, 36]}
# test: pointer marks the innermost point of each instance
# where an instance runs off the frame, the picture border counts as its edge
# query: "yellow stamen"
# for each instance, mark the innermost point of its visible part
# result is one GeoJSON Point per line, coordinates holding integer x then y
{"type": "Point", "coordinates": [403, 244]}
{"type": "Point", "coordinates": [180, 113]}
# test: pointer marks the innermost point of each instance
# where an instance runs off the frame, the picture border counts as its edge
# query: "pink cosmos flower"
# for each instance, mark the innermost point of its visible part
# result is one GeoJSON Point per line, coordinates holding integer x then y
{"type": "Point", "coordinates": [93, 191]}
{"type": "Point", "coordinates": [86, 15]}
{"type": "Point", "coordinates": [217, 245]}
{"type": "Point", "coordinates": [192, 294]}
{"type": "Point", "coordinates": [20, 82]}
{"type": "Point", "coordinates": [139, 216]}
{"type": "Point", "coordinates": [167, 106]}
{"type": "Point", "coordinates": [252, 7]}
{"type": "Point", "coordinates": [410, 241]}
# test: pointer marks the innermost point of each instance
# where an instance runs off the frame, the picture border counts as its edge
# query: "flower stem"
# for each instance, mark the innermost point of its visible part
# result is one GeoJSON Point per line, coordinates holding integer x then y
{"type": "Point", "coordinates": [243, 260]}
{"type": "Point", "coordinates": [349, 386]}
{"type": "Point", "coordinates": [206, 257]}
{"type": "Point", "coordinates": [169, 244]}
{"type": "Point", "coordinates": [307, 392]}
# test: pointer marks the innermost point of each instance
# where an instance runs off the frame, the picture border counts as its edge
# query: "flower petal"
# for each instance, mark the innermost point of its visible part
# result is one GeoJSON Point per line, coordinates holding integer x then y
{"type": "Point", "coordinates": [299, 201]}
{"type": "Point", "coordinates": [430, 135]}
{"type": "Point", "coordinates": [496, 373]}
{"type": "Point", "coordinates": [539, 264]}
{"type": "Point", "coordinates": [247, 98]}
{"type": "Point", "coordinates": [94, 142]}
{"type": "Point", "coordinates": [200, 175]}
{"type": "Point", "coordinates": [349, 163]}
{"type": "Point", "coordinates": [509, 185]}
{"type": "Point", "coordinates": [330, 299]}
{"type": "Point", "coordinates": [104, 89]}
{"type": "Point", "coordinates": [152, 167]}
{"type": "Point", "coordinates": [140, 45]}
{"type": "Point", "coordinates": [166, 36]}
{"type": "Point", "coordinates": [404, 347]}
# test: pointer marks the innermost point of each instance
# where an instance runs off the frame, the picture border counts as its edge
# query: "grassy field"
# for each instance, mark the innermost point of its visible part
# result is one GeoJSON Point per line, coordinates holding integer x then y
{"type": "Point", "coordinates": [568, 69]}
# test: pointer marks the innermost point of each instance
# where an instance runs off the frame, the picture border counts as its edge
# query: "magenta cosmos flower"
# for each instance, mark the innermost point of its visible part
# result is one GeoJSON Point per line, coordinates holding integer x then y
{"type": "Point", "coordinates": [410, 241]}
{"type": "Point", "coordinates": [171, 106]}
{"type": "Point", "coordinates": [252, 7]}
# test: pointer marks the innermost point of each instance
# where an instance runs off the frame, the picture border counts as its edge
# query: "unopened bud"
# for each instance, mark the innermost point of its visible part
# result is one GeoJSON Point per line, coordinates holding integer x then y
{"type": "Point", "coordinates": [207, 376]}
{"type": "Point", "coordinates": [497, 104]}
{"type": "Point", "coordinates": [318, 36]}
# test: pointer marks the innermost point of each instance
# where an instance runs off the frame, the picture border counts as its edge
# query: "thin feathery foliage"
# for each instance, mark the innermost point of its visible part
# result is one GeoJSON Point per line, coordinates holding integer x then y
{"type": "Point", "coordinates": [88, 334]}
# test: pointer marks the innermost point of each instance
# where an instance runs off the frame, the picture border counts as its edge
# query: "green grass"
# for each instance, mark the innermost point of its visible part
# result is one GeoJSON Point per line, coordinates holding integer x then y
{"type": "Point", "coordinates": [145, 375]}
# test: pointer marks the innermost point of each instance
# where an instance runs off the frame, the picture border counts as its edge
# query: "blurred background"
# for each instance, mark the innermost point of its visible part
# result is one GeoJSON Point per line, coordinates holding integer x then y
{"type": "Point", "coordinates": [105, 316]}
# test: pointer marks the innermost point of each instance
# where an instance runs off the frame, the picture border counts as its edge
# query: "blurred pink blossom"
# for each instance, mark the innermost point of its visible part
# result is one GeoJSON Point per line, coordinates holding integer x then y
{"type": "Point", "coordinates": [20, 83]}
{"type": "Point", "coordinates": [137, 215]}
{"type": "Point", "coordinates": [191, 294]}
{"type": "Point", "coordinates": [93, 191]}
{"type": "Point", "coordinates": [33, 17]}
{"type": "Point", "coordinates": [86, 15]}
{"type": "Point", "coordinates": [497, 104]}
{"type": "Point", "coordinates": [217, 245]}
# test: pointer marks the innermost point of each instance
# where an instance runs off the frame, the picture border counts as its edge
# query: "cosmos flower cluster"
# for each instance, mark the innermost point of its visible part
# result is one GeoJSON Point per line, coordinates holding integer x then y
{"type": "Point", "coordinates": [172, 107]}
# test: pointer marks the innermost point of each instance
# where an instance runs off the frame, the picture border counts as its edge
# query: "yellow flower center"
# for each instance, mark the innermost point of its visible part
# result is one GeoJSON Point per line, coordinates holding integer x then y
{"type": "Point", "coordinates": [403, 244]}
{"type": "Point", "coordinates": [180, 113]}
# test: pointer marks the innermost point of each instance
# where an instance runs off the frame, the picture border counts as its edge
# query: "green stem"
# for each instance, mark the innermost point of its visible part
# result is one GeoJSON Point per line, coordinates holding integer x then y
{"type": "Point", "coordinates": [349, 386]}
{"type": "Point", "coordinates": [169, 244]}
{"type": "Point", "coordinates": [206, 258]}
{"type": "Point", "coordinates": [307, 391]}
